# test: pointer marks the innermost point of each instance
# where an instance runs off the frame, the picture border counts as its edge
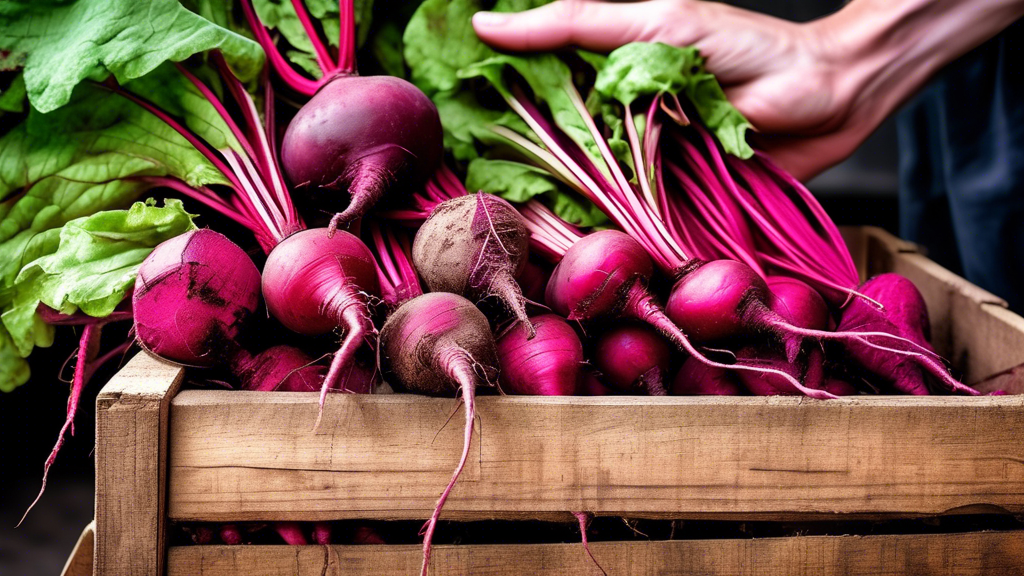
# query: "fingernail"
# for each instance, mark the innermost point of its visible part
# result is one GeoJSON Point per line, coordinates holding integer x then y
{"type": "Point", "coordinates": [487, 19]}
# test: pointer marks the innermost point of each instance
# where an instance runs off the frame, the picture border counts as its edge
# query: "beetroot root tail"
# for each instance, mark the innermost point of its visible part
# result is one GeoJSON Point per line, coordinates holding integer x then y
{"type": "Point", "coordinates": [460, 370]}
{"type": "Point", "coordinates": [350, 307]}
{"type": "Point", "coordinates": [506, 288]}
{"type": "Point", "coordinates": [88, 349]}
{"type": "Point", "coordinates": [584, 519]}
{"type": "Point", "coordinates": [366, 190]}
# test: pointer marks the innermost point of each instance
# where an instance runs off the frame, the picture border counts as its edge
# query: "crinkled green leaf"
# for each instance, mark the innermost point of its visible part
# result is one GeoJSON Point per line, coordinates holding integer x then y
{"type": "Point", "coordinates": [643, 69]}
{"type": "Point", "coordinates": [91, 266]}
{"type": "Point", "coordinates": [64, 44]}
{"type": "Point", "coordinates": [98, 258]}
{"type": "Point", "coordinates": [517, 182]}
{"type": "Point", "coordinates": [13, 98]}
{"type": "Point", "coordinates": [465, 122]}
{"type": "Point", "coordinates": [280, 15]}
{"type": "Point", "coordinates": [551, 82]}
{"type": "Point", "coordinates": [173, 93]}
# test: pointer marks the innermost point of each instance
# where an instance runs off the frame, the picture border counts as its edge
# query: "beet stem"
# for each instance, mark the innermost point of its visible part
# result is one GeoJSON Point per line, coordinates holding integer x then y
{"type": "Point", "coordinates": [458, 366]}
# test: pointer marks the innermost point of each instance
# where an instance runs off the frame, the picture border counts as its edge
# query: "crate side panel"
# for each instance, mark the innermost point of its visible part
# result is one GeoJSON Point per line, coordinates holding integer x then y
{"type": "Point", "coordinates": [683, 457]}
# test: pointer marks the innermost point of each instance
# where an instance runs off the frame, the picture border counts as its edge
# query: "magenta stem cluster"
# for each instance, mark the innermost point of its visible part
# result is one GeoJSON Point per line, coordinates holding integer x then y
{"type": "Point", "coordinates": [392, 249]}
{"type": "Point", "coordinates": [629, 204]}
{"type": "Point", "coordinates": [260, 200]}
{"type": "Point", "coordinates": [345, 63]}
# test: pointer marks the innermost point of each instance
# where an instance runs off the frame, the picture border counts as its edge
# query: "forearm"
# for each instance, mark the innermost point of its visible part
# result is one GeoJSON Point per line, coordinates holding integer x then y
{"type": "Point", "coordinates": [885, 50]}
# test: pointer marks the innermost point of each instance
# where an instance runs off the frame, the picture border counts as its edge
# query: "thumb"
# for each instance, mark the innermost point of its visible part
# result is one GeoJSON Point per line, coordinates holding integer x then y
{"type": "Point", "coordinates": [598, 26]}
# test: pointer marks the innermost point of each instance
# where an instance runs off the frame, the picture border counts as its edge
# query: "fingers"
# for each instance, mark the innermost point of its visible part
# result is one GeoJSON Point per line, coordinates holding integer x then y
{"type": "Point", "coordinates": [591, 25]}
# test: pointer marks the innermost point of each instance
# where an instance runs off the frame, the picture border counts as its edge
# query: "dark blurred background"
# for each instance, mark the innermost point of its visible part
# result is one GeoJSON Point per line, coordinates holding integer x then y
{"type": "Point", "coordinates": [861, 190]}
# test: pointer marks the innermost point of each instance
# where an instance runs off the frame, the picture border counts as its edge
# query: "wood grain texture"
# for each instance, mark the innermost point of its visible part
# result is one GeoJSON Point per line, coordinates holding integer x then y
{"type": "Point", "coordinates": [131, 450]}
{"type": "Point", "coordinates": [253, 456]}
{"type": "Point", "coordinates": [972, 554]}
{"type": "Point", "coordinates": [80, 562]}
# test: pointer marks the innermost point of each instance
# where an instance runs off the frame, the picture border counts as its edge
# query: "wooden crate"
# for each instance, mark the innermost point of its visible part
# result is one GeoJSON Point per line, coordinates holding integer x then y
{"type": "Point", "coordinates": [234, 456]}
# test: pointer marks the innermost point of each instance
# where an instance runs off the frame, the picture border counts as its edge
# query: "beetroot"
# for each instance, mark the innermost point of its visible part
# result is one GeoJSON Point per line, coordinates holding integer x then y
{"type": "Point", "coordinates": [634, 358]}
{"type": "Point", "coordinates": [695, 378]}
{"type": "Point", "coordinates": [365, 135]}
{"type": "Point", "coordinates": [797, 303]}
{"type": "Point", "coordinates": [590, 384]}
{"type": "Point", "coordinates": [315, 282]}
{"type": "Point", "coordinates": [438, 343]}
{"type": "Point", "coordinates": [281, 368]}
{"type": "Point", "coordinates": [475, 246]}
{"type": "Point", "coordinates": [603, 275]}
{"type": "Point", "coordinates": [230, 534]}
{"type": "Point", "coordinates": [547, 365]}
{"type": "Point", "coordinates": [193, 295]}
{"type": "Point", "coordinates": [906, 315]}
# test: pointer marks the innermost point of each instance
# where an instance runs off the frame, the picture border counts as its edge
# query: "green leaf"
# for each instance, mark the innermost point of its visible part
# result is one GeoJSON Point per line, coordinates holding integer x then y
{"type": "Point", "coordinates": [465, 122]}
{"type": "Point", "coordinates": [14, 370]}
{"type": "Point", "coordinates": [91, 267]}
{"type": "Point", "coordinates": [439, 41]}
{"type": "Point", "coordinates": [642, 69]}
{"type": "Point", "coordinates": [386, 45]}
{"type": "Point", "coordinates": [98, 258]}
{"type": "Point", "coordinates": [517, 182]}
{"type": "Point", "coordinates": [13, 98]}
{"type": "Point", "coordinates": [64, 44]}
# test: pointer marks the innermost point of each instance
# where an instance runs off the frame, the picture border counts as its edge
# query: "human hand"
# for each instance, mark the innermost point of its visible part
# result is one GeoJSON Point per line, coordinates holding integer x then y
{"type": "Point", "coordinates": [781, 75]}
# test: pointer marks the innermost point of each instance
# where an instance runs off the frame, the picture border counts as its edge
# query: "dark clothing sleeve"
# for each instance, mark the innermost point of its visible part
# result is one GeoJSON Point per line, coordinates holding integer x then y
{"type": "Point", "coordinates": [962, 166]}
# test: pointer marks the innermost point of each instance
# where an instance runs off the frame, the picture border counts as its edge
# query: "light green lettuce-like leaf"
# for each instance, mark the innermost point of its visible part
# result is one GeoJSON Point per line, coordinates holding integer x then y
{"type": "Point", "coordinates": [280, 15]}
{"type": "Point", "coordinates": [642, 69]}
{"type": "Point", "coordinates": [64, 44]}
{"type": "Point", "coordinates": [517, 182]}
{"type": "Point", "coordinates": [13, 98]}
{"type": "Point", "coordinates": [98, 257]}
{"type": "Point", "coordinates": [91, 267]}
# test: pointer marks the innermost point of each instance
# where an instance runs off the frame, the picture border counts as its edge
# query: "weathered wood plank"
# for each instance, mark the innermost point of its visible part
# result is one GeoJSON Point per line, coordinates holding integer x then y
{"type": "Point", "coordinates": [80, 561]}
{"type": "Point", "coordinates": [252, 456]}
{"type": "Point", "coordinates": [969, 554]}
{"type": "Point", "coordinates": [131, 450]}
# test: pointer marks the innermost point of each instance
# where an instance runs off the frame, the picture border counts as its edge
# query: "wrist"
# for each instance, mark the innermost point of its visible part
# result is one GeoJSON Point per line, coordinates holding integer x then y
{"type": "Point", "coordinates": [881, 52]}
